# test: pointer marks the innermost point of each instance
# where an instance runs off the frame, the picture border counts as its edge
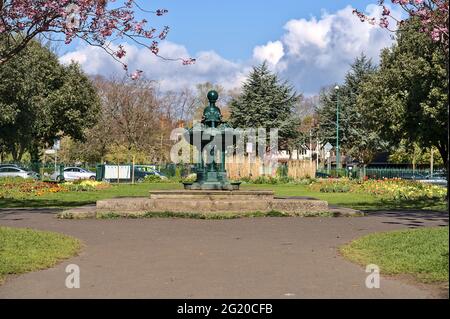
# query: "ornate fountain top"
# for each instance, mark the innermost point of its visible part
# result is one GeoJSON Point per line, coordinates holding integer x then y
{"type": "Point", "coordinates": [213, 96]}
{"type": "Point", "coordinates": [212, 115]}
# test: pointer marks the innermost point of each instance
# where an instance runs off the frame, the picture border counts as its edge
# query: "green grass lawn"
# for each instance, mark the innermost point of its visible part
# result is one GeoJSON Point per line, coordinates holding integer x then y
{"type": "Point", "coordinates": [24, 250]}
{"type": "Point", "coordinates": [73, 199]}
{"type": "Point", "coordinates": [422, 253]}
{"type": "Point", "coordinates": [357, 201]}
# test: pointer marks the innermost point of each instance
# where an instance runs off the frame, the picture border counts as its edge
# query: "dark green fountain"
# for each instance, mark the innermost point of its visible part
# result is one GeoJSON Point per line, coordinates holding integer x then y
{"type": "Point", "coordinates": [212, 136]}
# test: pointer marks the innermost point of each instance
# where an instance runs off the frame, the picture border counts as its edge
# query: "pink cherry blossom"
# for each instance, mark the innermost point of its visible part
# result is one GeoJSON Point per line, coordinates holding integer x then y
{"type": "Point", "coordinates": [384, 22]}
{"type": "Point", "coordinates": [136, 75]}
{"type": "Point", "coordinates": [433, 15]}
{"type": "Point", "coordinates": [120, 53]}
{"type": "Point", "coordinates": [99, 23]}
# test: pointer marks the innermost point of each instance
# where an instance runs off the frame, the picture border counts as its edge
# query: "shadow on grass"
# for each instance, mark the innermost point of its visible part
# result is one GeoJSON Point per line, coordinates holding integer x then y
{"type": "Point", "coordinates": [41, 203]}
{"type": "Point", "coordinates": [401, 205]}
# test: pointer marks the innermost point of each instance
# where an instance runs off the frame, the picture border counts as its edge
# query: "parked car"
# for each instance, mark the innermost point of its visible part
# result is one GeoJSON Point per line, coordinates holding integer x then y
{"type": "Point", "coordinates": [141, 171]}
{"type": "Point", "coordinates": [415, 176]}
{"type": "Point", "coordinates": [436, 179]}
{"type": "Point", "coordinates": [74, 173]}
{"type": "Point", "coordinates": [322, 175]}
{"type": "Point", "coordinates": [15, 171]}
{"type": "Point", "coordinates": [9, 165]}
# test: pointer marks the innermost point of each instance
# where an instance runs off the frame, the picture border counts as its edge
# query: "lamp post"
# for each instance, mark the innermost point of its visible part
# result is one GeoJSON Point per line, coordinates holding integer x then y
{"type": "Point", "coordinates": [337, 130]}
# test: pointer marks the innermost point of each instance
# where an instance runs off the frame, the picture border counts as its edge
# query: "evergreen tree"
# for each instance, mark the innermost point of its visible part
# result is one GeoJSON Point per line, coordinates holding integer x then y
{"type": "Point", "coordinates": [355, 137]}
{"type": "Point", "coordinates": [267, 103]}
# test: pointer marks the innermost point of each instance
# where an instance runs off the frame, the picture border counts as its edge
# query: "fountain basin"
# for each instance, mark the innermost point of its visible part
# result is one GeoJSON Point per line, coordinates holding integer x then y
{"type": "Point", "coordinates": [212, 201]}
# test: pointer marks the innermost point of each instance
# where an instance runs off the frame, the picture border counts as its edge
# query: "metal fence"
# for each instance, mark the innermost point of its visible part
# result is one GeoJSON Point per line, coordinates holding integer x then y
{"type": "Point", "coordinates": [179, 171]}
{"type": "Point", "coordinates": [378, 173]}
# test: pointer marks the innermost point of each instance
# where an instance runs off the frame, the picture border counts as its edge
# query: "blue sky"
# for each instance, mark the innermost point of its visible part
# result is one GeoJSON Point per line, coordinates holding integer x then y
{"type": "Point", "coordinates": [309, 43]}
{"type": "Point", "coordinates": [234, 27]}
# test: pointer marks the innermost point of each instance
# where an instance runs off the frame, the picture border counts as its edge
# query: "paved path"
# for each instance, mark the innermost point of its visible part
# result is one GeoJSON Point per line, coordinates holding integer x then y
{"type": "Point", "coordinates": [245, 258]}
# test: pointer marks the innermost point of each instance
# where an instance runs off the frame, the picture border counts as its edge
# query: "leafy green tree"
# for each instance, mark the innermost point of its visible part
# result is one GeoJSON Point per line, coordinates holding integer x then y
{"type": "Point", "coordinates": [406, 99]}
{"type": "Point", "coordinates": [414, 154]}
{"type": "Point", "coordinates": [265, 102]}
{"type": "Point", "coordinates": [41, 100]}
{"type": "Point", "coordinates": [355, 137]}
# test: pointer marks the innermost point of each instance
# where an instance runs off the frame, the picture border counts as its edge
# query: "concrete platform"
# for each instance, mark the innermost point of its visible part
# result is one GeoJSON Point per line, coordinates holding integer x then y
{"type": "Point", "coordinates": [211, 201]}
{"type": "Point", "coordinates": [212, 194]}
{"type": "Point", "coordinates": [208, 202]}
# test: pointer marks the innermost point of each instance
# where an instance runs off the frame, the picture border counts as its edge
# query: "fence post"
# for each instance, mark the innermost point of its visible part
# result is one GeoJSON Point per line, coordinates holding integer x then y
{"type": "Point", "coordinates": [99, 175]}
{"type": "Point", "coordinates": [61, 172]}
{"type": "Point", "coordinates": [41, 172]}
{"type": "Point", "coordinates": [118, 173]}
{"type": "Point", "coordinates": [132, 171]}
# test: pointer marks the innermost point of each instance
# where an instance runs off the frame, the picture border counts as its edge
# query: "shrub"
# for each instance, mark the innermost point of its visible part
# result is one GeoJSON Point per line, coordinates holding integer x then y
{"type": "Point", "coordinates": [178, 172]}
{"type": "Point", "coordinates": [84, 185]}
{"type": "Point", "coordinates": [304, 181]}
{"type": "Point", "coordinates": [265, 180]}
{"type": "Point", "coordinates": [335, 188]}
{"type": "Point", "coordinates": [189, 178]}
{"type": "Point", "coordinates": [244, 180]}
{"type": "Point", "coordinates": [276, 180]}
{"type": "Point", "coordinates": [153, 179]}
{"type": "Point", "coordinates": [333, 185]}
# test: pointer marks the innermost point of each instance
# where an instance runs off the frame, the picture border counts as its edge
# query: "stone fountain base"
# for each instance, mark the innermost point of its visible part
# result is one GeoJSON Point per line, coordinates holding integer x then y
{"type": "Point", "coordinates": [206, 186]}
{"type": "Point", "coordinates": [212, 181]}
{"type": "Point", "coordinates": [211, 201]}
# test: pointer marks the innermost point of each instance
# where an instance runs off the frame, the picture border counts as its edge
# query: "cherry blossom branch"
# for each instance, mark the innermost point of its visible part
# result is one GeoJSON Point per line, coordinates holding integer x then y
{"type": "Point", "coordinates": [433, 15]}
{"type": "Point", "coordinates": [97, 22]}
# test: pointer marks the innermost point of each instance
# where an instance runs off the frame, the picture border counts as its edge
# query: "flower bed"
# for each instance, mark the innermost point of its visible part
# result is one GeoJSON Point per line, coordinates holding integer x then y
{"type": "Point", "coordinates": [19, 188]}
{"type": "Point", "coordinates": [84, 185]}
{"type": "Point", "coordinates": [403, 189]}
{"type": "Point", "coordinates": [396, 189]}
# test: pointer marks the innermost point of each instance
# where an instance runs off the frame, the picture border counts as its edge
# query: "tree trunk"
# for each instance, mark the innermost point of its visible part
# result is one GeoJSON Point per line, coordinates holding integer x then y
{"type": "Point", "coordinates": [14, 153]}
{"type": "Point", "coordinates": [34, 153]}
{"type": "Point", "coordinates": [444, 154]}
{"type": "Point", "coordinates": [443, 150]}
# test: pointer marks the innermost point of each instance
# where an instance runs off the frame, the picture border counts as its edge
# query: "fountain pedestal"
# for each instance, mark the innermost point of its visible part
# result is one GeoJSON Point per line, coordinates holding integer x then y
{"type": "Point", "coordinates": [212, 181]}
{"type": "Point", "coordinates": [210, 138]}
{"type": "Point", "coordinates": [212, 201]}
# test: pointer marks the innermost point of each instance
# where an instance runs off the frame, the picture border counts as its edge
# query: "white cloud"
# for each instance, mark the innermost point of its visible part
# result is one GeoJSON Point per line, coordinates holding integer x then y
{"type": "Point", "coordinates": [319, 51]}
{"type": "Point", "coordinates": [171, 75]}
{"type": "Point", "coordinates": [272, 52]}
{"type": "Point", "coordinates": [312, 53]}
{"type": "Point", "coordinates": [307, 33]}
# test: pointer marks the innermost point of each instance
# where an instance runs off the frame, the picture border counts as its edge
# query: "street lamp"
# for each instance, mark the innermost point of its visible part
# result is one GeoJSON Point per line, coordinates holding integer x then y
{"type": "Point", "coordinates": [337, 130]}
